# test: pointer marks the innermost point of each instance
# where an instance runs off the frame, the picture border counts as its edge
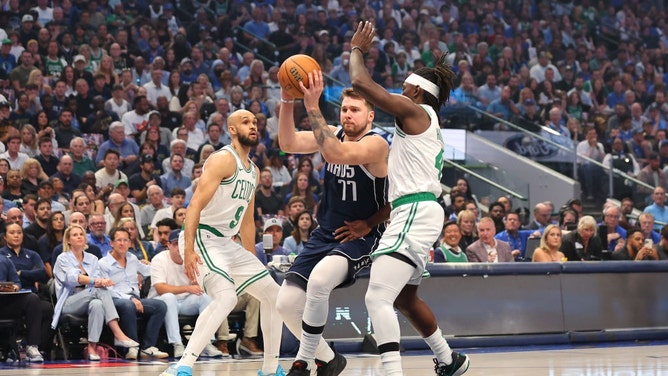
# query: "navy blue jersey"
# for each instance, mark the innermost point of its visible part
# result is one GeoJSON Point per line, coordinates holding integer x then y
{"type": "Point", "coordinates": [350, 193]}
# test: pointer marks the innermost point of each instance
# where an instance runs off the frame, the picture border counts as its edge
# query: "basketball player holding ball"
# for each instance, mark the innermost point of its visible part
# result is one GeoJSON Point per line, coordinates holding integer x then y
{"type": "Point", "coordinates": [351, 210]}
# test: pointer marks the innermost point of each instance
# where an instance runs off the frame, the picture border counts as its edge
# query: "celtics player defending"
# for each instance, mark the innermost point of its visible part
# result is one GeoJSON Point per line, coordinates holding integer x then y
{"type": "Point", "coordinates": [353, 205]}
{"type": "Point", "coordinates": [414, 172]}
{"type": "Point", "coordinates": [212, 259]}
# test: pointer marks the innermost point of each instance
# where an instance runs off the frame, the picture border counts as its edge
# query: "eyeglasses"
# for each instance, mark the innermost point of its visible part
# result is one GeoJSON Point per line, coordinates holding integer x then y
{"type": "Point", "coordinates": [122, 240]}
{"type": "Point", "coordinates": [97, 223]}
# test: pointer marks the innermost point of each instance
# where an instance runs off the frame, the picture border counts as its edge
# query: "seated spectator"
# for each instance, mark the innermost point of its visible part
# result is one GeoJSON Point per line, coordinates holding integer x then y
{"type": "Point", "coordinates": [582, 244]}
{"type": "Point", "coordinates": [647, 226]}
{"type": "Point", "coordinates": [95, 197]}
{"type": "Point", "coordinates": [267, 199]}
{"type": "Point", "coordinates": [610, 232]}
{"type": "Point", "coordinates": [302, 189]}
{"type": "Point", "coordinates": [81, 291]}
{"type": "Point", "coordinates": [27, 306]}
{"type": "Point", "coordinates": [32, 275]}
{"type": "Point", "coordinates": [541, 217]}
{"type": "Point", "coordinates": [516, 238]}
{"type": "Point", "coordinates": [77, 219]}
{"type": "Point", "coordinates": [13, 191]}
{"type": "Point", "coordinates": [635, 249]}
{"type": "Point", "coordinates": [53, 236]}
{"type": "Point", "coordinates": [294, 243]}
{"type": "Point", "coordinates": [178, 146]}
{"type": "Point", "coordinates": [179, 216]}
{"type": "Point", "coordinates": [142, 249]}
{"type": "Point", "coordinates": [109, 174]}
{"type": "Point", "coordinates": [178, 201]}
{"type": "Point", "coordinates": [176, 176]}
{"type": "Point", "coordinates": [548, 251]}
{"type": "Point", "coordinates": [31, 176]}
{"type": "Point", "coordinates": [122, 268]}
{"type": "Point", "coordinates": [488, 249]}
{"type": "Point", "coordinates": [66, 174]}
{"type": "Point", "coordinates": [154, 204]}
{"type": "Point", "coordinates": [42, 213]}
{"type": "Point", "coordinates": [662, 247]}
{"type": "Point", "coordinates": [98, 233]}
{"type": "Point", "coordinates": [13, 155]}
{"type": "Point", "coordinates": [164, 227]}
{"type": "Point", "coordinates": [568, 219]}
{"type": "Point", "coordinates": [170, 284]}
{"type": "Point", "coordinates": [45, 157]}
{"type": "Point", "coordinates": [273, 227]}
{"type": "Point", "coordinates": [126, 147]}
{"type": "Point", "coordinates": [466, 220]}
{"type": "Point", "coordinates": [658, 209]}
{"type": "Point", "coordinates": [626, 208]}
{"type": "Point", "coordinates": [497, 211]}
{"type": "Point", "coordinates": [81, 160]}
{"type": "Point", "coordinates": [141, 181]}
{"type": "Point", "coordinates": [449, 250]}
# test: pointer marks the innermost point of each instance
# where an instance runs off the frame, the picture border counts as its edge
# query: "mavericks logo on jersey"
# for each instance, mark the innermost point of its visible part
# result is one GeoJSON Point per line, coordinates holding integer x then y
{"type": "Point", "coordinates": [342, 171]}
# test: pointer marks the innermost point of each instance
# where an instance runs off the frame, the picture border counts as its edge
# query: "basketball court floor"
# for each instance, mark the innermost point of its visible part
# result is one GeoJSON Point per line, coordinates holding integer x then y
{"type": "Point", "coordinates": [616, 359]}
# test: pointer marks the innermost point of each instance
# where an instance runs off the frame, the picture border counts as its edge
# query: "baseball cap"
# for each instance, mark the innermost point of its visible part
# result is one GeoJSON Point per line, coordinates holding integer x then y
{"type": "Point", "coordinates": [637, 131]}
{"type": "Point", "coordinates": [174, 235]}
{"type": "Point", "coordinates": [27, 18]}
{"type": "Point", "coordinates": [119, 182]}
{"type": "Point", "coordinates": [45, 182]}
{"type": "Point", "coordinates": [146, 158]}
{"type": "Point", "coordinates": [6, 41]}
{"type": "Point", "coordinates": [272, 222]}
{"type": "Point", "coordinates": [154, 113]}
{"type": "Point", "coordinates": [78, 58]}
{"type": "Point", "coordinates": [529, 101]}
{"type": "Point", "coordinates": [186, 60]}
{"type": "Point", "coordinates": [323, 32]}
{"type": "Point", "coordinates": [168, 6]}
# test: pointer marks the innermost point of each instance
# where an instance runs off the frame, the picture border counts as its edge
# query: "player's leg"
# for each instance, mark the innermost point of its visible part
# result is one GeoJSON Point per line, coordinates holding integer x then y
{"type": "Point", "coordinates": [388, 277]}
{"type": "Point", "coordinates": [254, 279]}
{"type": "Point", "coordinates": [330, 272]}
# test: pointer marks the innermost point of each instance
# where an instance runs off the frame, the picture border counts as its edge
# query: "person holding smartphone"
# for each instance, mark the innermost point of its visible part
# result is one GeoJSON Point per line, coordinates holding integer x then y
{"type": "Point", "coordinates": [635, 248]}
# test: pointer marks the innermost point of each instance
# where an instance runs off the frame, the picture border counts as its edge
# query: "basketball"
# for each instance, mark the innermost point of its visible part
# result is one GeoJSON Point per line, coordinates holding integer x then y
{"type": "Point", "coordinates": [294, 69]}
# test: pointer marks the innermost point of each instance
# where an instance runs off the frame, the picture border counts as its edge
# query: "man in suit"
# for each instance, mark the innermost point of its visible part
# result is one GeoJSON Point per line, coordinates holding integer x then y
{"type": "Point", "coordinates": [541, 217]}
{"type": "Point", "coordinates": [488, 249]}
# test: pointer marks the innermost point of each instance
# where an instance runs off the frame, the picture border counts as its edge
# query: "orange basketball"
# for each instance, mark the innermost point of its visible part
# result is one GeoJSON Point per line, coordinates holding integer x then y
{"type": "Point", "coordinates": [294, 69]}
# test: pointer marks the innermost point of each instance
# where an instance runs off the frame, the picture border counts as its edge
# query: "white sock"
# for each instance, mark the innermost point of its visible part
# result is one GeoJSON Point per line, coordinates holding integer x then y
{"type": "Point", "coordinates": [266, 291]}
{"type": "Point", "coordinates": [391, 363]}
{"type": "Point", "coordinates": [439, 346]}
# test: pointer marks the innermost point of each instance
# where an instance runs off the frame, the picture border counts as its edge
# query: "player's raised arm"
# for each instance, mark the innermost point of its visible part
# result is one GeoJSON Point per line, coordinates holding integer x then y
{"type": "Point", "coordinates": [401, 106]}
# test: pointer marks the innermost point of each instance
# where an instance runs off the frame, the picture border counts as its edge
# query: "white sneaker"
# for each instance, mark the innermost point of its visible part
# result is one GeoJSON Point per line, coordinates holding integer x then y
{"type": "Point", "coordinates": [210, 351]}
{"type": "Point", "coordinates": [132, 353]}
{"type": "Point", "coordinates": [178, 350]}
{"type": "Point", "coordinates": [153, 352]}
{"type": "Point", "coordinates": [33, 355]}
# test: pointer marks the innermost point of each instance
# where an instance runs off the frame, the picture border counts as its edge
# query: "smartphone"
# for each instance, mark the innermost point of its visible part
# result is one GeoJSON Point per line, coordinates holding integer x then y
{"type": "Point", "coordinates": [649, 243]}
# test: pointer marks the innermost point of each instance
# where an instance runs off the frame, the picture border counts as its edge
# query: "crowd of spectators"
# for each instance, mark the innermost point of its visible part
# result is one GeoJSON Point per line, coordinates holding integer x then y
{"type": "Point", "coordinates": [110, 108]}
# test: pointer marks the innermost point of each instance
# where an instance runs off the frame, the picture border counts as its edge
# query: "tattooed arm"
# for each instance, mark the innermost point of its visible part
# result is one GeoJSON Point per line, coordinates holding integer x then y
{"type": "Point", "coordinates": [364, 151]}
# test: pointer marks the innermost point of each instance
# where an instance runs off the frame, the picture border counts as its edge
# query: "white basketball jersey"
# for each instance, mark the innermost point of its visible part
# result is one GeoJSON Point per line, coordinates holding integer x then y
{"type": "Point", "coordinates": [416, 161]}
{"type": "Point", "coordinates": [227, 206]}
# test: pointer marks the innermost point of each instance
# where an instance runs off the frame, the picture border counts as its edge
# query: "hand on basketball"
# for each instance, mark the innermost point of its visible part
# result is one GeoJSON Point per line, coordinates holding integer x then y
{"type": "Point", "coordinates": [352, 230]}
{"type": "Point", "coordinates": [363, 36]}
{"type": "Point", "coordinates": [314, 89]}
{"type": "Point", "coordinates": [191, 263]}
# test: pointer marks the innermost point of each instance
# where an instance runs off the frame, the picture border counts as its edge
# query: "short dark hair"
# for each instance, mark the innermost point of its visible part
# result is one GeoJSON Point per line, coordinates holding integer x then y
{"type": "Point", "coordinates": [169, 222]}
{"type": "Point", "coordinates": [111, 151]}
{"type": "Point", "coordinates": [41, 200]}
{"type": "Point", "coordinates": [177, 191]}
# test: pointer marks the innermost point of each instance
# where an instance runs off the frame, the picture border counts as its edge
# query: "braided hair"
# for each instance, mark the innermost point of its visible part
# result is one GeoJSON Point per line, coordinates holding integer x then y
{"type": "Point", "coordinates": [441, 75]}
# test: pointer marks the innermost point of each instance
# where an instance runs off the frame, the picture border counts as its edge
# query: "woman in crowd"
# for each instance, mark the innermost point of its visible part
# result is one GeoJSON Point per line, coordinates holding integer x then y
{"type": "Point", "coordinates": [583, 244]}
{"type": "Point", "coordinates": [301, 188]}
{"type": "Point", "coordinates": [96, 203]}
{"type": "Point", "coordinates": [179, 216]}
{"type": "Point", "coordinates": [107, 69]}
{"type": "Point", "coordinates": [466, 220]}
{"type": "Point", "coordinates": [279, 173]}
{"type": "Point", "coordinates": [29, 140]}
{"type": "Point", "coordinates": [548, 251]}
{"type": "Point", "coordinates": [31, 176]}
{"type": "Point", "coordinates": [300, 234]}
{"type": "Point", "coordinates": [43, 128]}
{"type": "Point", "coordinates": [206, 151]}
{"type": "Point", "coordinates": [53, 236]}
{"type": "Point", "coordinates": [68, 76]}
{"type": "Point", "coordinates": [140, 248]}
{"type": "Point", "coordinates": [80, 291]}
{"type": "Point", "coordinates": [306, 166]}
{"type": "Point", "coordinates": [4, 169]}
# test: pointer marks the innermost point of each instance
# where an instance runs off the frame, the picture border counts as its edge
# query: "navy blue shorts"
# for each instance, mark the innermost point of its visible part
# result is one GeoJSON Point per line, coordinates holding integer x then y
{"type": "Point", "coordinates": [321, 244]}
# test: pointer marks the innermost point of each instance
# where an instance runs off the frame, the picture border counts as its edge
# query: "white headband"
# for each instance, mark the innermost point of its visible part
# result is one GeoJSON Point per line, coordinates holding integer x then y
{"type": "Point", "coordinates": [424, 83]}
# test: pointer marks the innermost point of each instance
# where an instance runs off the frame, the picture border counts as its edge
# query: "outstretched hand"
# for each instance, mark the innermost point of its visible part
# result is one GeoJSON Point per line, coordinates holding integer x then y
{"type": "Point", "coordinates": [314, 90]}
{"type": "Point", "coordinates": [363, 36]}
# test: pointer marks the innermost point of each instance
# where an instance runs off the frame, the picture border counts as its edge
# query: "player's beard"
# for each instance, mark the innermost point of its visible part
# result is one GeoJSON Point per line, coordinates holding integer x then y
{"type": "Point", "coordinates": [246, 141]}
